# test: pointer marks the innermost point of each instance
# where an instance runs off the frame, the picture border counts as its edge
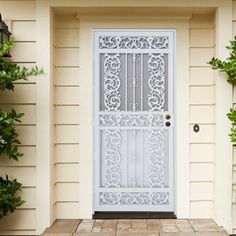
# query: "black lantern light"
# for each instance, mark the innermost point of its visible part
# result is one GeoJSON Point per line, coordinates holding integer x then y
{"type": "Point", "coordinates": [4, 33]}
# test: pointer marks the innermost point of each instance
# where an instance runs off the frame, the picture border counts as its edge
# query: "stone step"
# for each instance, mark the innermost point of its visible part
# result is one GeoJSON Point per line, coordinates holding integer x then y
{"type": "Point", "coordinates": [137, 227]}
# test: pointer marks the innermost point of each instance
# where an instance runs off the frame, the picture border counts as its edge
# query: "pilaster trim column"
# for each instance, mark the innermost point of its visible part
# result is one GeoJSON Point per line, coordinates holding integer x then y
{"type": "Point", "coordinates": [44, 120]}
{"type": "Point", "coordinates": [223, 168]}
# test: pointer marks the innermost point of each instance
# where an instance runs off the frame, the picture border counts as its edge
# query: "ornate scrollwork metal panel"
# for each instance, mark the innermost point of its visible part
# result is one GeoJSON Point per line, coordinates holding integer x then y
{"type": "Point", "coordinates": [134, 198]}
{"type": "Point", "coordinates": [157, 155]}
{"type": "Point", "coordinates": [133, 42]}
{"type": "Point", "coordinates": [112, 82]}
{"type": "Point", "coordinates": [132, 140]}
{"type": "Point", "coordinates": [156, 82]}
{"type": "Point", "coordinates": [112, 158]}
{"type": "Point", "coordinates": [131, 120]}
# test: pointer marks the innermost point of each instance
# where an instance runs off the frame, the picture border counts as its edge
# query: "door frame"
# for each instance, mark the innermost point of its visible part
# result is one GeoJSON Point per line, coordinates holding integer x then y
{"type": "Point", "coordinates": [171, 101]}
{"type": "Point", "coordinates": [182, 103]}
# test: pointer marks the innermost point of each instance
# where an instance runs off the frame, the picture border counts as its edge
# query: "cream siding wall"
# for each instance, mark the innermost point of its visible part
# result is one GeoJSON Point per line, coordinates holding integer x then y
{"type": "Point", "coordinates": [234, 156]}
{"type": "Point", "coordinates": [202, 112]}
{"type": "Point", "coordinates": [66, 82]}
{"type": "Point", "coordinates": [20, 16]}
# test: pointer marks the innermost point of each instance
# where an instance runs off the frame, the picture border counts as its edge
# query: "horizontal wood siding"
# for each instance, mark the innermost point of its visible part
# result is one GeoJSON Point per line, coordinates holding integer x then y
{"type": "Point", "coordinates": [66, 85]}
{"type": "Point", "coordinates": [202, 112]}
{"type": "Point", "coordinates": [18, 10]}
{"type": "Point", "coordinates": [20, 17]}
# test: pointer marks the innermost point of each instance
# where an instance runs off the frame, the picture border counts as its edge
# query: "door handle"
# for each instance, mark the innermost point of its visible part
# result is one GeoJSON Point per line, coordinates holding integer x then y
{"type": "Point", "coordinates": [168, 117]}
{"type": "Point", "coordinates": [168, 124]}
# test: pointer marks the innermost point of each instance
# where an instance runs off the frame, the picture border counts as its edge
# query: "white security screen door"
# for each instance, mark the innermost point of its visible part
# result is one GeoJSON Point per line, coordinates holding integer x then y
{"type": "Point", "coordinates": [133, 120]}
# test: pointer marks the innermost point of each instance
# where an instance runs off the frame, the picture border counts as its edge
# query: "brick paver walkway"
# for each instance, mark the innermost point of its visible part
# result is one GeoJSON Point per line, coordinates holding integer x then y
{"type": "Point", "coordinates": [142, 227]}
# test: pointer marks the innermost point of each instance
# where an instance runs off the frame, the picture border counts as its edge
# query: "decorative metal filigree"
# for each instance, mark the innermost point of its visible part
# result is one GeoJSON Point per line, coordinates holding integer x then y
{"type": "Point", "coordinates": [112, 141]}
{"type": "Point", "coordinates": [131, 120]}
{"type": "Point", "coordinates": [157, 171]}
{"type": "Point", "coordinates": [133, 152]}
{"type": "Point", "coordinates": [134, 198]}
{"type": "Point", "coordinates": [156, 82]}
{"type": "Point", "coordinates": [133, 42]}
{"type": "Point", "coordinates": [112, 67]}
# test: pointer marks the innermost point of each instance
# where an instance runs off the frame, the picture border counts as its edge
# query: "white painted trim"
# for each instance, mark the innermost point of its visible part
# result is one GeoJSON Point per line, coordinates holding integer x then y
{"type": "Point", "coordinates": [44, 120]}
{"type": "Point", "coordinates": [125, 3]}
{"type": "Point", "coordinates": [182, 121]}
{"type": "Point", "coordinates": [138, 17]}
{"type": "Point", "coordinates": [223, 169]}
{"type": "Point", "coordinates": [182, 105]}
{"type": "Point", "coordinates": [86, 124]}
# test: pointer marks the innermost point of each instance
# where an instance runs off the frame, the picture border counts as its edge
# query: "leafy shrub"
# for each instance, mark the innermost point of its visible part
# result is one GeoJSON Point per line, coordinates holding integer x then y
{"type": "Point", "coordinates": [229, 65]}
{"type": "Point", "coordinates": [10, 72]}
{"type": "Point", "coordinates": [8, 134]}
{"type": "Point", "coordinates": [232, 117]}
{"type": "Point", "coordinates": [8, 196]}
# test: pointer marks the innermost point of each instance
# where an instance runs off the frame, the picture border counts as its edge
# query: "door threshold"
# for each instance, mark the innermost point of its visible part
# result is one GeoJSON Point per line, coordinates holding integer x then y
{"type": "Point", "coordinates": [133, 215]}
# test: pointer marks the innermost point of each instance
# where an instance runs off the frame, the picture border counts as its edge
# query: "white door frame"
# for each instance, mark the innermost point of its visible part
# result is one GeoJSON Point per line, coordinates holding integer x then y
{"type": "Point", "coordinates": [182, 101]}
{"type": "Point", "coordinates": [145, 193]}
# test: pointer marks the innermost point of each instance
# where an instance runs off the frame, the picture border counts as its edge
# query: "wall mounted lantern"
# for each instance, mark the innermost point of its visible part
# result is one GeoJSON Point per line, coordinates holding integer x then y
{"type": "Point", "coordinates": [4, 33]}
